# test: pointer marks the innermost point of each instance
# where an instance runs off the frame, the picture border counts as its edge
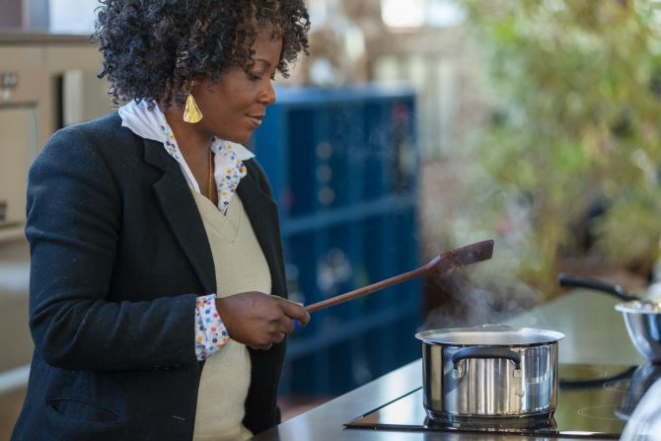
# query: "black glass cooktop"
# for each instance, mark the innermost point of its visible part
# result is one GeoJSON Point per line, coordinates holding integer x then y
{"type": "Point", "coordinates": [593, 401]}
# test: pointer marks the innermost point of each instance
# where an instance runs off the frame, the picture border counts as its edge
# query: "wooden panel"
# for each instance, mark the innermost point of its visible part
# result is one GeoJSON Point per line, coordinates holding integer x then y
{"type": "Point", "coordinates": [10, 407]}
{"type": "Point", "coordinates": [17, 146]}
{"type": "Point", "coordinates": [64, 57]}
{"type": "Point", "coordinates": [35, 86]}
{"type": "Point", "coordinates": [17, 57]}
{"type": "Point", "coordinates": [15, 338]}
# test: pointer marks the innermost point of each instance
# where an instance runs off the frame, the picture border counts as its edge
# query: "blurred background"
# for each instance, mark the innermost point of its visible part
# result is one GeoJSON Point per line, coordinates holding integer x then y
{"type": "Point", "coordinates": [414, 126]}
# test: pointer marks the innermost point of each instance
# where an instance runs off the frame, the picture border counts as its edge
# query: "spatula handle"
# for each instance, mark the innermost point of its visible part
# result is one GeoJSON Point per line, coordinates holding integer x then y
{"type": "Point", "coordinates": [365, 290]}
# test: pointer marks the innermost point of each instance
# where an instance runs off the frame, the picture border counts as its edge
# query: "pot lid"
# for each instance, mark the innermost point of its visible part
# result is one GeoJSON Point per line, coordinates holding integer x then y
{"type": "Point", "coordinates": [499, 335]}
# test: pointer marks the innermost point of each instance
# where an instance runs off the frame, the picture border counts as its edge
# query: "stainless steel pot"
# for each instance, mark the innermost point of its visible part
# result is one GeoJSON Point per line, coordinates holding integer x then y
{"type": "Point", "coordinates": [642, 316]}
{"type": "Point", "coordinates": [489, 371]}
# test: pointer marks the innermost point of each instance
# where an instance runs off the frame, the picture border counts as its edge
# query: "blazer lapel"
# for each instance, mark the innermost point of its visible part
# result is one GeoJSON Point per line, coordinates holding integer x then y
{"type": "Point", "coordinates": [263, 214]}
{"type": "Point", "coordinates": [182, 214]}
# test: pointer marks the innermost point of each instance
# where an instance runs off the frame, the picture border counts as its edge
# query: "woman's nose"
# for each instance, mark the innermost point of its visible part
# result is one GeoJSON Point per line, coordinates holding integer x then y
{"type": "Point", "coordinates": [267, 97]}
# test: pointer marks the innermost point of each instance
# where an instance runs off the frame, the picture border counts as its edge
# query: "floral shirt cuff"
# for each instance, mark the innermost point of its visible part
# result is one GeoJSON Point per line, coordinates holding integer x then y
{"type": "Point", "coordinates": [210, 333]}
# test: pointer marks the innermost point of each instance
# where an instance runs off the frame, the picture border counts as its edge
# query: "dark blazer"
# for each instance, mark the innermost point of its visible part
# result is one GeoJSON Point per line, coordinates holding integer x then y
{"type": "Point", "coordinates": [119, 255]}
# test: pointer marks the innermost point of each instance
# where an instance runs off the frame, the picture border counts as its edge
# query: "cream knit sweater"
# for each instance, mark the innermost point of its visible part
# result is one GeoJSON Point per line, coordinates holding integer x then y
{"type": "Point", "coordinates": [240, 266]}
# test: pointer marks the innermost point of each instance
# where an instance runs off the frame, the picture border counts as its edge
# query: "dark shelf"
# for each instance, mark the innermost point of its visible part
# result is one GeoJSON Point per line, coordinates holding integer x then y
{"type": "Point", "coordinates": [302, 347]}
{"type": "Point", "coordinates": [342, 163]}
{"type": "Point", "coordinates": [328, 218]}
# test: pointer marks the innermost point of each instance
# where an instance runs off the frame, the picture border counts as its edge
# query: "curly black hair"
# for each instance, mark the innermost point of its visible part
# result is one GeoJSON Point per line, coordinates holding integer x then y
{"type": "Point", "coordinates": [154, 49]}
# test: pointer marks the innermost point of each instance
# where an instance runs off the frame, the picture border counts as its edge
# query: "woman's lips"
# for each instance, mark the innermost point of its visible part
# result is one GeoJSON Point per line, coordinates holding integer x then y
{"type": "Point", "coordinates": [255, 120]}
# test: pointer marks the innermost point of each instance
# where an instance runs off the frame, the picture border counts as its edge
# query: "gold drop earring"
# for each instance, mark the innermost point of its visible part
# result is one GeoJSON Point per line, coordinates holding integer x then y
{"type": "Point", "coordinates": [192, 113]}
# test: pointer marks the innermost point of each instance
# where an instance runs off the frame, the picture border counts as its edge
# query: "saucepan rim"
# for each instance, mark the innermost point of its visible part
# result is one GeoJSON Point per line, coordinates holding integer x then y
{"type": "Point", "coordinates": [489, 335]}
{"type": "Point", "coordinates": [640, 307]}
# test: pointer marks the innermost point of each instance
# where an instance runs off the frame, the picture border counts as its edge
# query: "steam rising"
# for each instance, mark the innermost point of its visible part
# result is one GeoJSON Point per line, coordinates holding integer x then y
{"type": "Point", "coordinates": [467, 303]}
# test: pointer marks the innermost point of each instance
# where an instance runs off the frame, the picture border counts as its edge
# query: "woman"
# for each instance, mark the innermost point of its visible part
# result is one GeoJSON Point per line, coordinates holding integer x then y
{"type": "Point", "coordinates": [157, 297]}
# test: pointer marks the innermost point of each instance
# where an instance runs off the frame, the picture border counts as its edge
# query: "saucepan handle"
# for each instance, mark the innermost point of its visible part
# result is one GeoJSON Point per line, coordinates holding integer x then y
{"type": "Point", "coordinates": [485, 352]}
{"type": "Point", "coordinates": [568, 280]}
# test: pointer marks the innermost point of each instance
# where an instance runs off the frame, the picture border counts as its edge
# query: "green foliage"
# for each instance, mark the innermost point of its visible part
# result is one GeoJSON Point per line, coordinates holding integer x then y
{"type": "Point", "coordinates": [576, 89]}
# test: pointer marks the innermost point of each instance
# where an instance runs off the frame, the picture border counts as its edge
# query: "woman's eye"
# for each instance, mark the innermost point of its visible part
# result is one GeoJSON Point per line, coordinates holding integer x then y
{"type": "Point", "coordinates": [254, 77]}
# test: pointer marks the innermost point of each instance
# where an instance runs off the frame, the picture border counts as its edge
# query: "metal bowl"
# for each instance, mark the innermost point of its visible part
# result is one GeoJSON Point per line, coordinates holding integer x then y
{"type": "Point", "coordinates": [643, 320]}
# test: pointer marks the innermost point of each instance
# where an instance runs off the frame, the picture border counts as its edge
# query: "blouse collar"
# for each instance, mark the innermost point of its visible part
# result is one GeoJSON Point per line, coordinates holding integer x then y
{"type": "Point", "coordinates": [151, 124]}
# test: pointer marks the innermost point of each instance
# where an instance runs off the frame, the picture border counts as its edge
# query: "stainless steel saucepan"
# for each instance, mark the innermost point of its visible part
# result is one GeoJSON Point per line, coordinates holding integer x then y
{"type": "Point", "coordinates": [489, 371]}
{"type": "Point", "coordinates": [642, 316]}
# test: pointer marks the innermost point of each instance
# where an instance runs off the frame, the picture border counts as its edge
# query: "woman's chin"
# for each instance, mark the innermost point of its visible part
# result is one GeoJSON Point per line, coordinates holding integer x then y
{"type": "Point", "coordinates": [239, 138]}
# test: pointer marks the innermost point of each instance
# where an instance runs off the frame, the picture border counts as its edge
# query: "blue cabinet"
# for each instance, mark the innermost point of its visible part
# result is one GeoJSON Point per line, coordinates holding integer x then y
{"type": "Point", "coordinates": [343, 165]}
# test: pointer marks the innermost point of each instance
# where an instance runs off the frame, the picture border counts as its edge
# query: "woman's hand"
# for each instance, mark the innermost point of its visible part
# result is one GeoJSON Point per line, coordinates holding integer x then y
{"type": "Point", "coordinates": [258, 320]}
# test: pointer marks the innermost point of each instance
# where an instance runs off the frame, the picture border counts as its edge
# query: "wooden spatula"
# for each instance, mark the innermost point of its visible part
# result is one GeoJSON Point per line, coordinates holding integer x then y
{"type": "Point", "coordinates": [441, 264]}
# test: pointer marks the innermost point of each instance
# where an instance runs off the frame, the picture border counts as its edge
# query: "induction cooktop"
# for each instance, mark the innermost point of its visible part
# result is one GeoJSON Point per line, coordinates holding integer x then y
{"type": "Point", "coordinates": [593, 401]}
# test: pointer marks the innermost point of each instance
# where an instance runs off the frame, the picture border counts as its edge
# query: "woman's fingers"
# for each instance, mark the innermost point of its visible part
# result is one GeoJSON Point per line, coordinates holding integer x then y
{"type": "Point", "coordinates": [287, 325]}
{"type": "Point", "coordinates": [259, 320]}
{"type": "Point", "coordinates": [294, 310]}
{"type": "Point", "coordinates": [275, 337]}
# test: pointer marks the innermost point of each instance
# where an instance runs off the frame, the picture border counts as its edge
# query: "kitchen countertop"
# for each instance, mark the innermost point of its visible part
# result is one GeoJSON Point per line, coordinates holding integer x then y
{"type": "Point", "coordinates": [595, 333]}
